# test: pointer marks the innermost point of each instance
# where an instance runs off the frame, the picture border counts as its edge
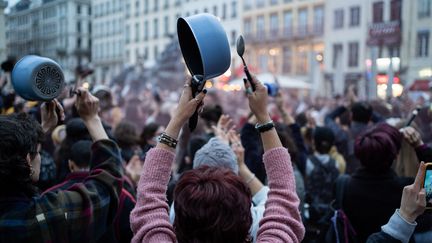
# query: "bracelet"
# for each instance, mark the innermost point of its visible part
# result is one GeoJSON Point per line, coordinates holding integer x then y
{"type": "Point", "coordinates": [167, 140]}
{"type": "Point", "coordinates": [250, 179]}
{"type": "Point", "coordinates": [264, 127]}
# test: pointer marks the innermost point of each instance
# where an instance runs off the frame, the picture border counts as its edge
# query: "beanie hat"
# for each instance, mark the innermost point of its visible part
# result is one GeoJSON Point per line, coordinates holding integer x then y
{"type": "Point", "coordinates": [377, 148]}
{"type": "Point", "coordinates": [218, 154]}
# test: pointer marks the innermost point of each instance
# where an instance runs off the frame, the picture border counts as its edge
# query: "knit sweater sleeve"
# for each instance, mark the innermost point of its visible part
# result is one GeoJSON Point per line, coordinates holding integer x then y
{"type": "Point", "coordinates": [149, 219]}
{"type": "Point", "coordinates": [281, 221]}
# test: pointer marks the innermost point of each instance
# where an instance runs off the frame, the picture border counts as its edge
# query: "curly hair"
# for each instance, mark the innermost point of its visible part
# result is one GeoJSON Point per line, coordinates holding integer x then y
{"type": "Point", "coordinates": [20, 135]}
{"type": "Point", "coordinates": [212, 205]}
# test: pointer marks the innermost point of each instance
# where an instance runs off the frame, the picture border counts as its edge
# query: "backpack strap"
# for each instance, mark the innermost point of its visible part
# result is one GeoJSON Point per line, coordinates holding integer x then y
{"type": "Point", "coordinates": [341, 184]}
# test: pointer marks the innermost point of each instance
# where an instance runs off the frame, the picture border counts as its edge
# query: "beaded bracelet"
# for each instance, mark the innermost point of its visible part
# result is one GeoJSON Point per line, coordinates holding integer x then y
{"type": "Point", "coordinates": [167, 140]}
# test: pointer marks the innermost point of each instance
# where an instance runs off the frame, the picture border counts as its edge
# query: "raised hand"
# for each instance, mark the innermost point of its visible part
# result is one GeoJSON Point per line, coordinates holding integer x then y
{"type": "Point", "coordinates": [258, 100]}
{"type": "Point", "coordinates": [222, 128]}
{"type": "Point", "coordinates": [50, 112]}
{"type": "Point", "coordinates": [412, 136]}
{"type": "Point", "coordinates": [87, 105]}
{"type": "Point", "coordinates": [413, 202]}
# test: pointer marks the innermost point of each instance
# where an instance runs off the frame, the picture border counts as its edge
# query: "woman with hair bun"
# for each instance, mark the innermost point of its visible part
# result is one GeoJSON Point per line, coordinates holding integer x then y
{"type": "Point", "coordinates": [374, 191]}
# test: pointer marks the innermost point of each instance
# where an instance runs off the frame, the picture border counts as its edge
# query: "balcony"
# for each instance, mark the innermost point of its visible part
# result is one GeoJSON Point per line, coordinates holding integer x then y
{"type": "Point", "coordinates": [285, 34]}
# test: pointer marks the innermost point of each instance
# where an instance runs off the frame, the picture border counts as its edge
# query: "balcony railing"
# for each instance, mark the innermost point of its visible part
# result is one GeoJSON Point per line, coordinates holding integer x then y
{"type": "Point", "coordinates": [285, 34]}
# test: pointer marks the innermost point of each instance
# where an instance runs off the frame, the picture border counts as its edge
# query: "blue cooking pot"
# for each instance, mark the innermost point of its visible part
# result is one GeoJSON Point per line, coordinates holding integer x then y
{"type": "Point", "coordinates": [37, 78]}
{"type": "Point", "coordinates": [204, 45]}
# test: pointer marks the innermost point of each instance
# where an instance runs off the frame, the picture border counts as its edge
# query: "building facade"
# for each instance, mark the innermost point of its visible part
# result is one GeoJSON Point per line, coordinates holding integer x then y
{"type": "Point", "coordinates": [285, 37]}
{"type": "Point", "coordinates": [58, 29]}
{"type": "Point", "coordinates": [418, 64]}
{"type": "Point", "coordinates": [3, 55]}
{"type": "Point", "coordinates": [150, 25]}
{"type": "Point", "coordinates": [108, 38]}
{"type": "Point", "coordinates": [362, 39]}
{"type": "Point", "coordinates": [346, 34]}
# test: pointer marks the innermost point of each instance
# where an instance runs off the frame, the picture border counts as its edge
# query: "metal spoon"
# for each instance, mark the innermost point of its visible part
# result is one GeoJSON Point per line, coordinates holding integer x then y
{"type": "Point", "coordinates": [240, 46]}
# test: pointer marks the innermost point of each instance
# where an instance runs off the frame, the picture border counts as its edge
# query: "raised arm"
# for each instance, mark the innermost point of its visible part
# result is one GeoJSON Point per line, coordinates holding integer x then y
{"type": "Point", "coordinates": [281, 221]}
{"type": "Point", "coordinates": [89, 207]}
{"type": "Point", "coordinates": [149, 219]}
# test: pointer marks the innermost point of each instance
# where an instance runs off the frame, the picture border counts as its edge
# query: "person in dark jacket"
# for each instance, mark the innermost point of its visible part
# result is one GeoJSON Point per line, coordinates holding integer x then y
{"type": "Point", "coordinates": [374, 190]}
{"type": "Point", "coordinates": [402, 223]}
{"type": "Point", "coordinates": [350, 126]}
{"type": "Point", "coordinates": [79, 166]}
{"type": "Point", "coordinates": [81, 213]}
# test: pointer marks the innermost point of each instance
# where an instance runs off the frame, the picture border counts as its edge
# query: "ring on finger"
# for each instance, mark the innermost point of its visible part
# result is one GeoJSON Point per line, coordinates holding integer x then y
{"type": "Point", "coordinates": [249, 90]}
{"type": "Point", "coordinates": [197, 100]}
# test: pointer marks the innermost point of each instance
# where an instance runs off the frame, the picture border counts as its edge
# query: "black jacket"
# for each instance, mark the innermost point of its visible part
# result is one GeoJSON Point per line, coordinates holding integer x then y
{"type": "Point", "coordinates": [370, 200]}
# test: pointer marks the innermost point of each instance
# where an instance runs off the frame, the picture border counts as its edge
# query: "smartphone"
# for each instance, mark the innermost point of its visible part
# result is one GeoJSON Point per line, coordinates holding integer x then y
{"type": "Point", "coordinates": [427, 184]}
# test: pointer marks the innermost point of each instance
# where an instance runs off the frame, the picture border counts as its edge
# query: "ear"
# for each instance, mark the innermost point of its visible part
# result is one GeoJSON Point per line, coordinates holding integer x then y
{"type": "Point", "coordinates": [28, 159]}
{"type": "Point", "coordinates": [72, 166]}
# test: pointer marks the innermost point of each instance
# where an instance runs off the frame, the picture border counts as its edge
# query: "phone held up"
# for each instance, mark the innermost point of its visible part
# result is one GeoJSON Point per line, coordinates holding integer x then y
{"type": "Point", "coordinates": [427, 184]}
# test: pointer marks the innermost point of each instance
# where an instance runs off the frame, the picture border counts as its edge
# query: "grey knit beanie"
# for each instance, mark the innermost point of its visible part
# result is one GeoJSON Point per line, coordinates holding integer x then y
{"type": "Point", "coordinates": [216, 153]}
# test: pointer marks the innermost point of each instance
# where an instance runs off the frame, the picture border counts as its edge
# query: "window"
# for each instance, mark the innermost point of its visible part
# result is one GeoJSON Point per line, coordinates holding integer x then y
{"type": "Point", "coordinates": [247, 5]}
{"type": "Point", "coordinates": [233, 9]}
{"type": "Point", "coordinates": [338, 19]}
{"type": "Point", "coordinates": [137, 28]}
{"type": "Point", "coordinates": [337, 54]}
{"type": "Point", "coordinates": [145, 53]}
{"type": "Point", "coordinates": [378, 9]}
{"type": "Point", "coordinates": [424, 8]}
{"type": "Point", "coordinates": [205, 10]}
{"type": "Point", "coordinates": [274, 2]}
{"type": "Point", "coordinates": [303, 21]}
{"type": "Point", "coordinates": [156, 52]}
{"type": "Point", "coordinates": [260, 3]}
{"type": "Point", "coordinates": [353, 53]}
{"type": "Point", "coordinates": [127, 34]}
{"type": "Point", "coordinates": [247, 26]}
{"type": "Point", "coordinates": [79, 26]}
{"type": "Point", "coordinates": [155, 28]}
{"type": "Point", "coordinates": [224, 11]}
{"type": "Point", "coordinates": [274, 24]}
{"type": "Point", "coordinates": [395, 13]}
{"type": "Point", "coordinates": [166, 4]}
{"type": "Point", "coordinates": [146, 30]}
{"type": "Point", "coordinates": [137, 7]}
{"type": "Point", "coordinates": [288, 22]}
{"type": "Point", "coordinates": [318, 25]}
{"type": "Point", "coordinates": [263, 62]}
{"type": "Point", "coordinates": [233, 37]}
{"type": "Point", "coordinates": [355, 16]}
{"type": "Point", "coordinates": [260, 25]}
{"type": "Point", "coordinates": [394, 51]}
{"type": "Point", "coordinates": [166, 25]}
{"type": "Point", "coordinates": [78, 9]}
{"type": "Point", "coordinates": [287, 60]}
{"type": "Point", "coordinates": [146, 6]}
{"type": "Point", "coordinates": [423, 43]}
{"type": "Point", "coordinates": [302, 61]}
{"type": "Point", "coordinates": [156, 5]}
{"type": "Point", "coordinates": [215, 10]}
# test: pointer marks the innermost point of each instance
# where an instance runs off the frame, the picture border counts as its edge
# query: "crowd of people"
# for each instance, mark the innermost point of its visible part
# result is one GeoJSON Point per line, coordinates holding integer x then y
{"type": "Point", "coordinates": [119, 164]}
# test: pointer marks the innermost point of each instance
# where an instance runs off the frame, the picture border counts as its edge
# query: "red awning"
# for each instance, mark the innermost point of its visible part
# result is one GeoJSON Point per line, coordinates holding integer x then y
{"type": "Point", "coordinates": [420, 85]}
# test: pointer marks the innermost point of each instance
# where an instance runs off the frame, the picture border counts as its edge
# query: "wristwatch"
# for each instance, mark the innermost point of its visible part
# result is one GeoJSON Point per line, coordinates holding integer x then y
{"type": "Point", "coordinates": [264, 127]}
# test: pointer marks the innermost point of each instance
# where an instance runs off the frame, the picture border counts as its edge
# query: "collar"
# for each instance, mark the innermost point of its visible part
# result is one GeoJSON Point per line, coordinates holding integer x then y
{"type": "Point", "coordinates": [79, 175]}
{"type": "Point", "coordinates": [363, 173]}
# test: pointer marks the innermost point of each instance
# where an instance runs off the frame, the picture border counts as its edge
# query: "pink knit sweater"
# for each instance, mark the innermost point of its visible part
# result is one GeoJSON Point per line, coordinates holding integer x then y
{"type": "Point", "coordinates": [281, 221]}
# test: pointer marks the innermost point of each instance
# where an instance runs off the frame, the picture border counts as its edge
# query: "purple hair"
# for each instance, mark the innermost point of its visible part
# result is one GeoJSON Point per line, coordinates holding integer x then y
{"type": "Point", "coordinates": [378, 147]}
